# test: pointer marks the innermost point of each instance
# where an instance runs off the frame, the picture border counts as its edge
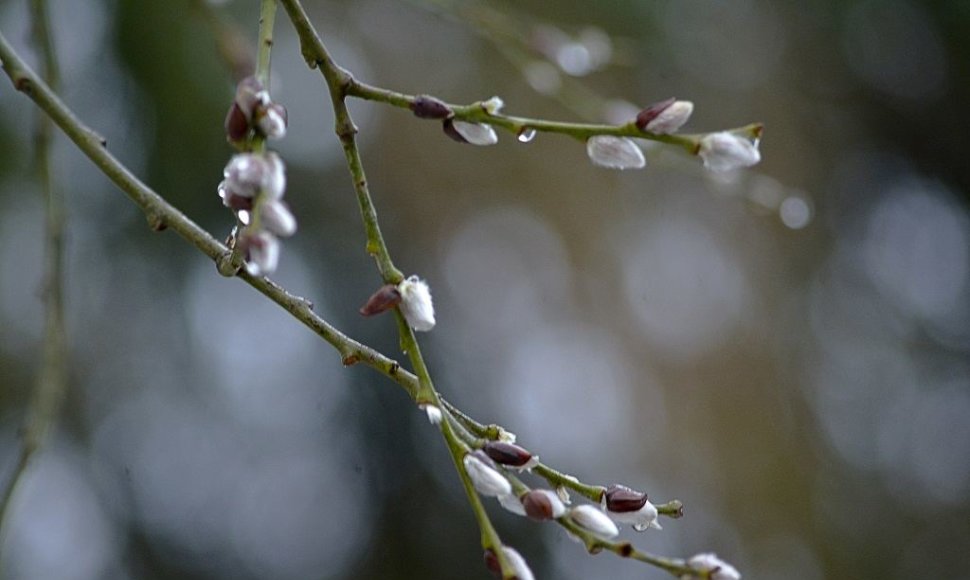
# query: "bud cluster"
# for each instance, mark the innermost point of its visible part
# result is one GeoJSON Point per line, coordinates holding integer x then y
{"type": "Point", "coordinates": [253, 111]}
{"type": "Point", "coordinates": [723, 151]}
{"type": "Point", "coordinates": [254, 182]}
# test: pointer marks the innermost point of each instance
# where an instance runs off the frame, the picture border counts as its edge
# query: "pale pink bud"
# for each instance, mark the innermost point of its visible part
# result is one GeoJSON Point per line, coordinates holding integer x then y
{"type": "Point", "coordinates": [614, 152]}
{"type": "Point", "coordinates": [245, 174]}
{"type": "Point", "coordinates": [232, 200]}
{"type": "Point", "coordinates": [274, 183]}
{"type": "Point", "coordinates": [726, 151]}
{"type": "Point", "coordinates": [277, 218]}
{"type": "Point", "coordinates": [416, 305]}
{"type": "Point", "coordinates": [593, 520]}
{"type": "Point", "coordinates": [488, 481]}
{"type": "Point", "coordinates": [271, 121]}
{"type": "Point", "coordinates": [262, 251]}
{"type": "Point", "coordinates": [250, 94]}
{"type": "Point", "coordinates": [717, 568]}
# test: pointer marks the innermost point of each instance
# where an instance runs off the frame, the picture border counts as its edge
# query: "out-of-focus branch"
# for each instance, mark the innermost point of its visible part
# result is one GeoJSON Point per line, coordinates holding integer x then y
{"type": "Point", "coordinates": [52, 378]}
{"type": "Point", "coordinates": [230, 41]}
{"type": "Point", "coordinates": [162, 215]}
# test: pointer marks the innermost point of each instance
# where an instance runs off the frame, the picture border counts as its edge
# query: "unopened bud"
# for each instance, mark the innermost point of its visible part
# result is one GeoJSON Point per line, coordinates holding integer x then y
{"type": "Point", "coordinates": [386, 297]}
{"type": "Point", "coordinates": [621, 499]}
{"type": "Point", "coordinates": [641, 519]}
{"type": "Point", "coordinates": [543, 504]}
{"type": "Point", "coordinates": [433, 413]}
{"type": "Point", "coordinates": [473, 133]}
{"type": "Point", "coordinates": [237, 124]}
{"type": "Point", "coordinates": [614, 152]}
{"type": "Point", "coordinates": [511, 503]}
{"type": "Point", "coordinates": [520, 569]}
{"type": "Point", "coordinates": [486, 479]}
{"type": "Point", "coordinates": [713, 567]}
{"type": "Point", "coordinates": [428, 107]}
{"type": "Point", "coordinates": [593, 520]}
{"type": "Point", "coordinates": [262, 251]}
{"type": "Point", "coordinates": [250, 94]}
{"type": "Point", "coordinates": [664, 117]}
{"type": "Point", "coordinates": [416, 305]}
{"type": "Point", "coordinates": [493, 105]}
{"type": "Point", "coordinates": [271, 120]}
{"type": "Point", "coordinates": [725, 151]}
{"type": "Point", "coordinates": [232, 200]}
{"type": "Point", "coordinates": [277, 218]}
{"type": "Point", "coordinates": [509, 454]}
{"type": "Point", "coordinates": [274, 184]}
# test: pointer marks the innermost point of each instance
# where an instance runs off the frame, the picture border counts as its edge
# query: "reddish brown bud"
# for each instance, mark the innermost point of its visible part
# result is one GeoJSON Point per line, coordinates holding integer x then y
{"type": "Point", "coordinates": [449, 129]}
{"type": "Point", "coordinates": [507, 453]}
{"type": "Point", "coordinates": [428, 107]}
{"type": "Point", "coordinates": [650, 113]}
{"type": "Point", "coordinates": [237, 125]}
{"type": "Point", "coordinates": [622, 499]}
{"type": "Point", "coordinates": [386, 297]}
{"type": "Point", "coordinates": [537, 506]}
{"type": "Point", "coordinates": [492, 563]}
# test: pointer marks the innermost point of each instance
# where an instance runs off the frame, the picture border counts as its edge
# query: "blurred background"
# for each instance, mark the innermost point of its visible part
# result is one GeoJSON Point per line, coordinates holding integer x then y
{"type": "Point", "coordinates": [785, 349]}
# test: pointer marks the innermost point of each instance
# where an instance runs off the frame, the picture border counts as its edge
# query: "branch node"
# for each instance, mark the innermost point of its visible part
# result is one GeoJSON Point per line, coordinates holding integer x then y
{"type": "Point", "coordinates": [227, 265]}
{"type": "Point", "coordinates": [350, 359]}
{"type": "Point", "coordinates": [156, 222]}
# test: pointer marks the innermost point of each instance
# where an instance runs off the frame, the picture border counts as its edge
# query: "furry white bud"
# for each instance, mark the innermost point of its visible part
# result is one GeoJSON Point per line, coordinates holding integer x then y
{"type": "Point", "coordinates": [614, 152]}
{"type": "Point", "coordinates": [275, 182]}
{"type": "Point", "coordinates": [488, 481]}
{"type": "Point", "coordinates": [716, 567]}
{"type": "Point", "coordinates": [726, 151]}
{"type": "Point", "coordinates": [262, 251]}
{"type": "Point", "coordinates": [272, 121]}
{"type": "Point", "coordinates": [671, 118]}
{"type": "Point", "coordinates": [433, 412]}
{"type": "Point", "coordinates": [416, 305]}
{"type": "Point", "coordinates": [493, 105]}
{"type": "Point", "coordinates": [475, 133]}
{"type": "Point", "coordinates": [519, 566]}
{"type": "Point", "coordinates": [593, 520]}
{"type": "Point", "coordinates": [277, 218]}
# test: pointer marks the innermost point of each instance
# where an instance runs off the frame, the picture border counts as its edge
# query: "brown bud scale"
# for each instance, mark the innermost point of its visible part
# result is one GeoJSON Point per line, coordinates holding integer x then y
{"type": "Point", "coordinates": [537, 505]}
{"type": "Point", "coordinates": [428, 107]}
{"type": "Point", "coordinates": [621, 499]}
{"type": "Point", "coordinates": [507, 453]}
{"type": "Point", "coordinates": [652, 112]}
{"type": "Point", "coordinates": [384, 299]}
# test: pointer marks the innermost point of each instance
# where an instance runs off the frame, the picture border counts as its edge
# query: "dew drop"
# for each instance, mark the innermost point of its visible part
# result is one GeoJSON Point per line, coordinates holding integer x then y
{"type": "Point", "coordinates": [243, 217]}
{"type": "Point", "coordinates": [640, 527]}
{"type": "Point", "coordinates": [526, 134]}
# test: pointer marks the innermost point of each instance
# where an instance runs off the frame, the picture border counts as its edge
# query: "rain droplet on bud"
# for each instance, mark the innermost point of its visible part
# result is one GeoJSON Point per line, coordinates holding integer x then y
{"type": "Point", "coordinates": [526, 134]}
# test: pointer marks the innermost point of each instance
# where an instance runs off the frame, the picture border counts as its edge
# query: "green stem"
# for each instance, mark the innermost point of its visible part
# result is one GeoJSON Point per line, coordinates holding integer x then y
{"type": "Point", "coordinates": [52, 378]}
{"type": "Point", "coordinates": [476, 113]}
{"type": "Point", "coordinates": [338, 79]}
{"type": "Point", "coordinates": [162, 215]}
{"type": "Point", "coordinates": [267, 17]}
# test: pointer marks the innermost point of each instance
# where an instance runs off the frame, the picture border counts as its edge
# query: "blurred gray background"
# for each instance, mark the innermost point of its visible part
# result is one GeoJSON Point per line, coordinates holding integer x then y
{"type": "Point", "coordinates": [785, 350]}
